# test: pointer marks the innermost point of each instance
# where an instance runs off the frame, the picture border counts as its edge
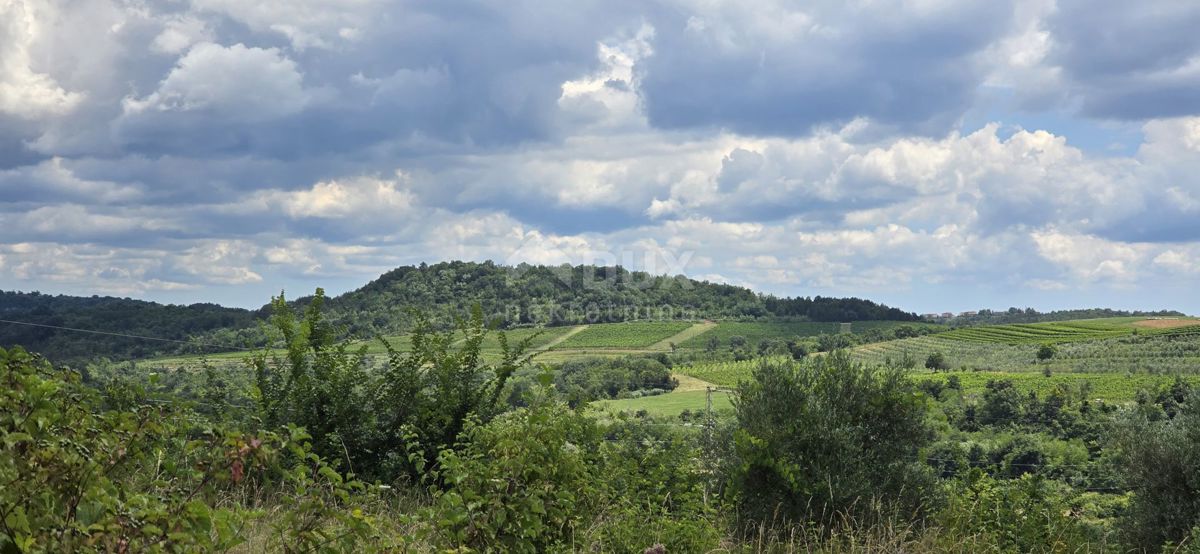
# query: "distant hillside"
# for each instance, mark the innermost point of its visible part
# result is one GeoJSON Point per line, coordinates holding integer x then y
{"type": "Point", "coordinates": [1030, 315]}
{"type": "Point", "coordinates": [560, 295]}
{"type": "Point", "coordinates": [111, 315]}
{"type": "Point", "coordinates": [518, 296]}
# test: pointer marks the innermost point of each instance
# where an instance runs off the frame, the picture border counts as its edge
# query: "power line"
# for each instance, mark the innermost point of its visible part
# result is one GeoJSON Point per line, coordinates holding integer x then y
{"type": "Point", "coordinates": [126, 335]}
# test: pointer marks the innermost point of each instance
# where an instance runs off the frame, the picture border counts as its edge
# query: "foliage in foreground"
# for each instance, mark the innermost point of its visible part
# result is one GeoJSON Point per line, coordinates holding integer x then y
{"type": "Point", "coordinates": [824, 455]}
{"type": "Point", "coordinates": [548, 478]}
{"type": "Point", "coordinates": [152, 478]}
{"type": "Point", "coordinates": [386, 423]}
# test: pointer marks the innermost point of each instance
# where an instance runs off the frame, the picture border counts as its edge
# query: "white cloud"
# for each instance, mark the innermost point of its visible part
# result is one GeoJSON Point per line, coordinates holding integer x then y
{"type": "Point", "coordinates": [355, 197]}
{"type": "Point", "coordinates": [1091, 258]}
{"type": "Point", "coordinates": [223, 262]}
{"type": "Point", "coordinates": [235, 82]}
{"type": "Point", "coordinates": [25, 92]}
{"type": "Point", "coordinates": [181, 32]}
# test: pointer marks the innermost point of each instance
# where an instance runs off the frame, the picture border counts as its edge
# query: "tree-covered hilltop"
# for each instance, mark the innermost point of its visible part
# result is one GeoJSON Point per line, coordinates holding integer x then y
{"type": "Point", "coordinates": [522, 295]}
{"type": "Point", "coordinates": [123, 316]}
{"type": "Point", "coordinates": [561, 295]}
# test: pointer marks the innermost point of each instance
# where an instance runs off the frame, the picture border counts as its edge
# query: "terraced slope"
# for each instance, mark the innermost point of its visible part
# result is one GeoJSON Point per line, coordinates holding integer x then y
{"type": "Point", "coordinates": [1146, 353]}
{"type": "Point", "coordinates": [1070, 331]}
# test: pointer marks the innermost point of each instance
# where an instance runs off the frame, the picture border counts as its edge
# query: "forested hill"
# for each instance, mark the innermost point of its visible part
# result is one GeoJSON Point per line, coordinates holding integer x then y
{"type": "Point", "coordinates": [560, 295]}
{"type": "Point", "coordinates": [521, 295]}
{"type": "Point", "coordinates": [123, 316]}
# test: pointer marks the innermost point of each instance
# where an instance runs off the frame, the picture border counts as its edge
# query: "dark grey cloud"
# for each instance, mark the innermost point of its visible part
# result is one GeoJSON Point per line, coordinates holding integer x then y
{"type": "Point", "coordinates": [782, 69]}
{"type": "Point", "coordinates": [1128, 60]}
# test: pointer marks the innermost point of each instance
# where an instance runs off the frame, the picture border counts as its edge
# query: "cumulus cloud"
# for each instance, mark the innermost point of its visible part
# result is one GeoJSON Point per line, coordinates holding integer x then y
{"type": "Point", "coordinates": [24, 91]}
{"type": "Point", "coordinates": [234, 82]}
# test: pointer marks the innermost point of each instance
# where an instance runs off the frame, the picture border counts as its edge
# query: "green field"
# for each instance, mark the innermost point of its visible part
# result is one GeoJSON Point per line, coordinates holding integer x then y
{"type": "Point", "coordinates": [757, 331]}
{"type": "Point", "coordinates": [637, 334]}
{"type": "Point", "coordinates": [1107, 386]}
{"type": "Point", "coordinates": [670, 404]}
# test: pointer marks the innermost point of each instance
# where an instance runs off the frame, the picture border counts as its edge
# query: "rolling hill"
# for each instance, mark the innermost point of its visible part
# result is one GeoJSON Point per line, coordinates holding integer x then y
{"type": "Point", "coordinates": [520, 296]}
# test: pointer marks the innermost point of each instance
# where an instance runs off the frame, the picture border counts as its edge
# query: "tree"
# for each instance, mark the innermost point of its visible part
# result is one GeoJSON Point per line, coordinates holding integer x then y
{"type": "Point", "coordinates": [1002, 403]}
{"type": "Point", "coordinates": [826, 437]}
{"type": "Point", "coordinates": [1046, 352]}
{"type": "Point", "coordinates": [712, 344]}
{"type": "Point", "coordinates": [1160, 461]}
{"type": "Point", "coordinates": [937, 362]}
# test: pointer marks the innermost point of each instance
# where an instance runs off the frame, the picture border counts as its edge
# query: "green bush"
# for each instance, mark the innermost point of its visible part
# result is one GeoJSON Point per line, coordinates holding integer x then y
{"type": "Point", "coordinates": [1160, 461]}
{"type": "Point", "coordinates": [824, 438]}
{"type": "Point", "coordinates": [386, 423]}
{"type": "Point", "coordinates": [1030, 514]}
{"type": "Point", "coordinates": [151, 477]}
{"type": "Point", "coordinates": [596, 378]}
{"type": "Point", "coordinates": [520, 484]}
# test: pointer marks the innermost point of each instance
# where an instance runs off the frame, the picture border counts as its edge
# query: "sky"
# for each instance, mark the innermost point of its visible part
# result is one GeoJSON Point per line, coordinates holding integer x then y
{"type": "Point", "coordinates": [934, 155]}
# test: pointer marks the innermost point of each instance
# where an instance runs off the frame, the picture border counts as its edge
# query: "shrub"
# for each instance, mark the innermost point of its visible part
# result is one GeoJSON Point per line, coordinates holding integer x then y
{"type": "Point", "coordinates": [150, 478]}
{"type": "Point", "coordinates": [1029, 514]}
{"type": "Point", "coordinates": [391, 422]}
{"type": "Point", "coordinates": [520, 484]}
{"type": "Point", "coordinates": [937, 362]}
{"type": "Point", "coordinates": [1160, 461]}
{"type": "Point", "coordinates": [826, 437]}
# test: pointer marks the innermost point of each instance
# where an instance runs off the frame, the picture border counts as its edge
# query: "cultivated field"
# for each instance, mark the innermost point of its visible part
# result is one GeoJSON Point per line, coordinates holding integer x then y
{"type": "Point", "coordinates": [756, 331]}
{"type": "Point", "coordinates": [1072, 331]}
{"type": "Point", "coordinates": [637, 334]}
{"type": "Point", "coordinates": [1112, 359]}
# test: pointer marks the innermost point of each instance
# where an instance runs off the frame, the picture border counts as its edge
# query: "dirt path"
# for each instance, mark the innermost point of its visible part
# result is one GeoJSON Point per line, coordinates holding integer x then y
{"type": "Point", "coordinates": [688, 383]}
{"type": "Point", "coordinates": [678, 338]}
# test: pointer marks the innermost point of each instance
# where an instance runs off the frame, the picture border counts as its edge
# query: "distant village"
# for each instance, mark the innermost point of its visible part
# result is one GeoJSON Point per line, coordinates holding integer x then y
{"type": "Point", "coordinates": [949, 315]}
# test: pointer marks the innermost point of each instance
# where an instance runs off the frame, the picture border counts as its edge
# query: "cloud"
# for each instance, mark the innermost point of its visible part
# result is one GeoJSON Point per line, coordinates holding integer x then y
{"type": "Point", "coordinates": [25, 92]}
{"type": "Point", "coordinates": [234, 82]}
{"type": "Point", "coordinates": [306, 24]}
{"type": "Point", "coordinates": [779, 68]}
{"type": "Point", "coordinates": [357, 197]}
{"type": "Point", "coordinates": [1090, 258]}
{"type": "Point", "coordinates": [1127, 60]}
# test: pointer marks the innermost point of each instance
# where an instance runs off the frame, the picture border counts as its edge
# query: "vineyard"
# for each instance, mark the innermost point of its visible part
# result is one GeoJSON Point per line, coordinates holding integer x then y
{"type": "Point", "coordinates": [624, 335]}
{"type": "Point", "coordinates": [1177, 351]}
{"type": "Point", "coordinates": [1063, 332]}
{"type": "Point", "coordinates": [1109, 386]}
{"type": "Point", "coordinates": [756, 331]}
{"type": "Point", "coordinates": [726, 374]}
